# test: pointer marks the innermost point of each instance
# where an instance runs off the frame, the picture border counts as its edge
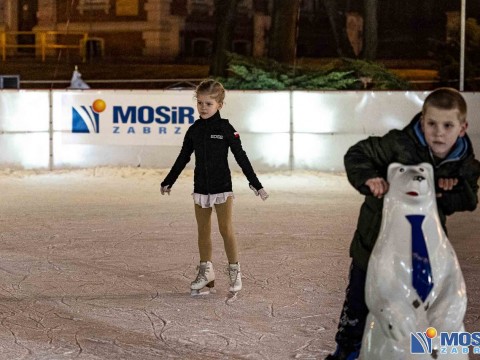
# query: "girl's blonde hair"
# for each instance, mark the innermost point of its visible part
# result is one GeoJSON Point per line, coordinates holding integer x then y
{"type": "Point", "coordinates": [213, 88]}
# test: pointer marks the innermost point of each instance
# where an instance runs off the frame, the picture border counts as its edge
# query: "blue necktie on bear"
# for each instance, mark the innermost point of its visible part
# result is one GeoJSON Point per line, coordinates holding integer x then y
{"type": "Point", "coordinates": [422, 279]}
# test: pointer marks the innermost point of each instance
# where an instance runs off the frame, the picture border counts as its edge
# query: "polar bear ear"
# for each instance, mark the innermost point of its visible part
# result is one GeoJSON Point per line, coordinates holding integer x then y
{"type": "Point", "coordinates": [429, 171]}
{"type": "Point", "coordinates": [393, 169]}
{"type": "Point", "coordinates": [427, 166]}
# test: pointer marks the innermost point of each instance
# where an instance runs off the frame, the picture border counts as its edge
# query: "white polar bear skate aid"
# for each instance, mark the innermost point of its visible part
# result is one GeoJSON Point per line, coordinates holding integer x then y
{"type": "Point", "coordinates": [414, 281]}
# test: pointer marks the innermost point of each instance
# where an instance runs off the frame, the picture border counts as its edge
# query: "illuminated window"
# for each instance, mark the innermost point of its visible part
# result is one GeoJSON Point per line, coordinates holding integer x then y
{"type": "Point", "coordinates": [93, 5]}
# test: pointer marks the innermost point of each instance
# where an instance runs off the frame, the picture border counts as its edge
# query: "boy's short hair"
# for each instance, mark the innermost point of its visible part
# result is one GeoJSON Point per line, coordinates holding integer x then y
{"type": "Point", "coordinates": [446, 98]}
{"type": "Point", "coordinates": [213, 88]}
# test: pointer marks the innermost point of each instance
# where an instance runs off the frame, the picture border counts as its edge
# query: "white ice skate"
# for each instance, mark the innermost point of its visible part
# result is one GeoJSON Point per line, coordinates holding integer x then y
{"type": "Point", "coordinates": [205, 278]}
{"type": "Point", "coordinates": [235, 276]}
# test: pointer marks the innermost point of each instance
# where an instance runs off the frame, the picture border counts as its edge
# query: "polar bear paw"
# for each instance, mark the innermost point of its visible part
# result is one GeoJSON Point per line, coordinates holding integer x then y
{"type": "Point", "coordinates": [396, 321]}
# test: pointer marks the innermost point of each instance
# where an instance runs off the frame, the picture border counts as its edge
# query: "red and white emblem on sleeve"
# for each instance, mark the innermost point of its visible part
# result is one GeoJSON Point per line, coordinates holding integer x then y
{"type": "Point", "coordinates": [236, 134]}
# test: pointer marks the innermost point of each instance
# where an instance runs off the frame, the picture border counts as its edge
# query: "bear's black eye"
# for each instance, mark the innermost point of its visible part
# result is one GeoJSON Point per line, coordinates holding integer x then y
{"type": "Point", "coordinates": [421, 169]}
{"type": "Point", "coordinates": [401, 170]}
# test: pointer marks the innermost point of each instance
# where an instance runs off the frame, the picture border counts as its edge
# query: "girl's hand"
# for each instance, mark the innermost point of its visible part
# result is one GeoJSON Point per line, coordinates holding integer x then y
{"type": "Point", "coordinates": [165, 189]}
{"type": "Point", "coordinates": [446, 184]}
{"type": "Point", "coordinates": [263, 194]}
{"type": "Point", "coordinates": [378, 186]}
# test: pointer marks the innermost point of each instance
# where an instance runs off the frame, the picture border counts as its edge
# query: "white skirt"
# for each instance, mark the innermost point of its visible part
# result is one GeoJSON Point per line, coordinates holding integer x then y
{"type": "Point", "coordinates": [206, 201]}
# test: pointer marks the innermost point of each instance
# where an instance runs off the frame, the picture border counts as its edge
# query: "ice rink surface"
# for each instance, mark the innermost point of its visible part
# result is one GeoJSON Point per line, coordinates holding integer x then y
{"type": "Point", "coordinates": [96, 264]}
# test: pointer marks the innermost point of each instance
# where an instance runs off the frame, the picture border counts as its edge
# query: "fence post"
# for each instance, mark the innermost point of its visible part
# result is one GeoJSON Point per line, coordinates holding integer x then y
{"type": "Point", "coordinates": [291, 150]}
{"type": "Point", "coordinates": [50, 130]}
{"type": "Point", "coordinates": [43, 44]}
{"type": "Point", "coordinates": [83, 47]}
{"type": "Point", "coordinates": [3, 43]}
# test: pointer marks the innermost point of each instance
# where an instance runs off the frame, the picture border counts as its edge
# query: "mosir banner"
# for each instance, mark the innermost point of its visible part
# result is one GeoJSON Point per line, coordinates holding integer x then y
{"type": "Point", "coordinates": [118, 118]}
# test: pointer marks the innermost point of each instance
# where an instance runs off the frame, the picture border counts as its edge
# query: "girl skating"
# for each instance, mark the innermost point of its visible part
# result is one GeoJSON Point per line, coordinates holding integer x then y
{"type": "Point", "coordinates": [210, 137]}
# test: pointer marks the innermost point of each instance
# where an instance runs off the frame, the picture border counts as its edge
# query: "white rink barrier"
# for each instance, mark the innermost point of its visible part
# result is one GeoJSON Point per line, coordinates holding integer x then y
{"type": "Point", "coordinates": [280, 130]}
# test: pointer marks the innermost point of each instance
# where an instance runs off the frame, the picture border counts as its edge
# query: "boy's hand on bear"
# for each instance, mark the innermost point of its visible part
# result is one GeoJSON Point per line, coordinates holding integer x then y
{"type": "Point", "coordinates": [378, 186]}
{"type": "Point", "coordinates": [446, 184]}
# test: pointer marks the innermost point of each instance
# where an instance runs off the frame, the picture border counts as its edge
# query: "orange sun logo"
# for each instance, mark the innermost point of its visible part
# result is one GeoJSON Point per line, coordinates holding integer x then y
{"type": "Point", "coordinates": [99, 105]}
{"type": "Point", "coordinates": [431, 332]}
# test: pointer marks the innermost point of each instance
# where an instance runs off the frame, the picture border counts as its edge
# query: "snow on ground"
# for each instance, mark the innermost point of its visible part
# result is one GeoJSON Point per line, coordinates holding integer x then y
{"type": "Point", "coordinates": [96, 264]}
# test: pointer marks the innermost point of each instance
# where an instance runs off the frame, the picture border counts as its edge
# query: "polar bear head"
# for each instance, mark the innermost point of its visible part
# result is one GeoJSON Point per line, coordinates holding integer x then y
{"type": "Point", "coordinates": [411, 184]}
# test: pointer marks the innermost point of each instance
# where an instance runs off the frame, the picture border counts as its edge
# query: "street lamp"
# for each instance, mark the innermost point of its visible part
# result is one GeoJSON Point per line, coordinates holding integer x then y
{"type": "Point", "coordinates": [462, 45]}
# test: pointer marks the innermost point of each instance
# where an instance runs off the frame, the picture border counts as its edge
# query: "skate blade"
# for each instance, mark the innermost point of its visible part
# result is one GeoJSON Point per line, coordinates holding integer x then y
{"type": "Point", "coordinates": [231, 297]}
{"type": "Point", "coordinates": [203, 292]}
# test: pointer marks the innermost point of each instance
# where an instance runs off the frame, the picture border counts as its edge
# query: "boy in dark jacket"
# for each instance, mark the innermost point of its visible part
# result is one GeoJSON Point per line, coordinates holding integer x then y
{"type": "Point", "coordinates": [438, 136]}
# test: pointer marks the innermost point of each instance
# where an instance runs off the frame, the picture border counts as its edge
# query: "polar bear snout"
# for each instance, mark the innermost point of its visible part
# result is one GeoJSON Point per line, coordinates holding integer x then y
{"type": "Point", "coordinates": [413, 182]}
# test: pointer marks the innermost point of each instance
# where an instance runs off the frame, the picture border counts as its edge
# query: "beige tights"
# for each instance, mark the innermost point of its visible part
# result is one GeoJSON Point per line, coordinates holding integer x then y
{"type": "Point", "coordinates": [224, 217]}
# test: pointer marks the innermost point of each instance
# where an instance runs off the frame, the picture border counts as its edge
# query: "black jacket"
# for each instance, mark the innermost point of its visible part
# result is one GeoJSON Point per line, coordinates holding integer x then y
{"type": "Point", "coordinates": [210, 139]}
{"type": "Point", "coordinates": [370, 158]}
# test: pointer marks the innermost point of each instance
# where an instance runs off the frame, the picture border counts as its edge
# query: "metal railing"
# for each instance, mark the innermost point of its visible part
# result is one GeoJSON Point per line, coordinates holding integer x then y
{"type": "Point", "coordinates": [167, 84]}
{"type": "Point", "coordinates": [43, 42]}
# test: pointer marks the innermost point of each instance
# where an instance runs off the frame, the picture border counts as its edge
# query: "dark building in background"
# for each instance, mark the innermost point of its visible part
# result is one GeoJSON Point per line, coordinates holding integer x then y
{"type": "Point", "coordinates": [183, 30]}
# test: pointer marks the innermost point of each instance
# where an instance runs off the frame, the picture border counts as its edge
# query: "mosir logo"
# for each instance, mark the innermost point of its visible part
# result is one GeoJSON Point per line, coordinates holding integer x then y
{"type": "Point", "coordinates": [150, 115]}
{"type": "Point", "coordinates": [451, 343]}
{"type": "Point", "coordinates": [150, 120]}
{"type": "Point", "coordinates": [127, 120]}
{"type": "Point", "coordinates": [86, 119]}
{"type": "Point", "coordinates": [421, 343]}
